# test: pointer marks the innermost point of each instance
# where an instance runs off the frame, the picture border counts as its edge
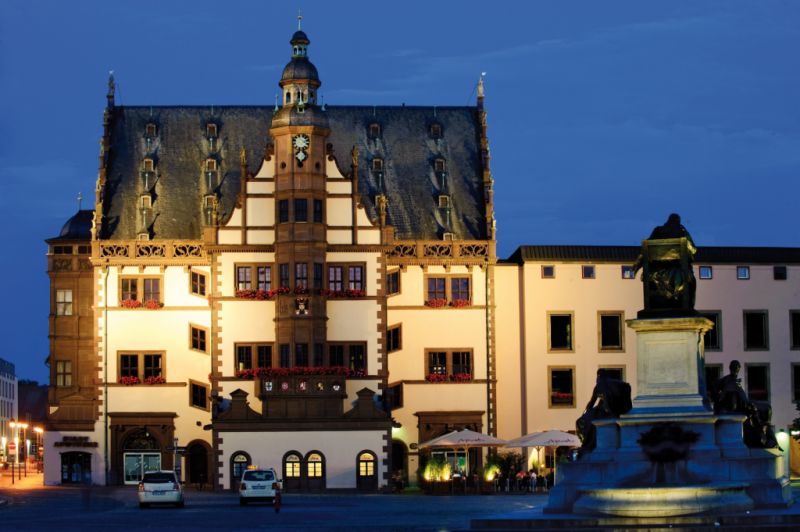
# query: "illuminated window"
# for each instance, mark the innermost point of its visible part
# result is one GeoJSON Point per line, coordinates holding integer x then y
{"type": "Point", "coordinates": [366, 465]}
{"type": "Point", "coordinates": [63, 302]}
{"type": "Point", "coordinates": [561, 387]}
{"type": "Point", "coordinates": [292, 466]}
{"type": "Point", "coordinates": [63, 373]}
{"type": "Point", "coordinates": [314, 465]}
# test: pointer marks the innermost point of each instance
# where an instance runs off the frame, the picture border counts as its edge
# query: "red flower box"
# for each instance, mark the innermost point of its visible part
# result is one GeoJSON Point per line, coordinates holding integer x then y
{"type": "Point", "coordinates": [131, 303]}
{"type": "Point", "coordinates": [152, 304]}
{"type": "Point", "coordinates": [436, 303]}
{"type": "Point", "coordinates": [460, 303]}
{"type": "Point", "coordinates": [461, 377]}
{"type": "Point", "coordinates": [155, 380]}
{"type": "Point", "coordinates": [342, 294]}
{"type": "Point", "coordinates": [435, 377]}
{"type": "Point", "coordinates": [253, 373]}
{"type": "Point", "coordinates": [129, 381]}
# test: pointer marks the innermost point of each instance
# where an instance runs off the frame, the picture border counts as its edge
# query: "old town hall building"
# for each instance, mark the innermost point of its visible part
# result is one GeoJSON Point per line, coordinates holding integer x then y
{"type": "Point", "coordinates": [315, 288]}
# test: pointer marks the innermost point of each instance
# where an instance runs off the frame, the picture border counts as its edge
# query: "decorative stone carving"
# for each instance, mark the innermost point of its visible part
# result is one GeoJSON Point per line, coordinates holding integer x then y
{"type": "Point", "coordinates": [187, 250]}
{"type": "Point", "coordinates": [474, 250]}
{"type": "Point", "coordinates": [62, 265]}
{"type": "Point", "coordinates": [150, 250]}
{"type": "Point", "coordinates": [438, 250]}
{"type": "Point", "coordinates": [403, 250]}
{"type": "Point", "coordinates": [113, 250]}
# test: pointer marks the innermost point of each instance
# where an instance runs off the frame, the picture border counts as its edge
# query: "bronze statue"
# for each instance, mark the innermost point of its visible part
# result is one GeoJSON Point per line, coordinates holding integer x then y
{"type": "Point", "coordinates": [610, 398]}
{"type": "Point", "coordinates": [729, 397]}
{"type": "Point", "coordinates": [666, 260]}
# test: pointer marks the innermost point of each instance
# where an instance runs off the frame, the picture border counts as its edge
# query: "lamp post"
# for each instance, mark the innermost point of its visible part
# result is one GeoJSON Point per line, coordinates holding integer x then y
{"type": "Point", "coordinates": [22, 451]}
{"type": "Point", "coordinates": [13, 425]}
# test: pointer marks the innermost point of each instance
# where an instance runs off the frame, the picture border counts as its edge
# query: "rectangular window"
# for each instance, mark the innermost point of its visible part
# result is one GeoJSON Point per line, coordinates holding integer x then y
{"type": "Point", "coordinates": [358, 359]}
{"type": "Point", "coordinates": [300, 210]}
{"type": "Point", "coordinates": [244, 278]}
{"type": "Point", "coordinates": [462, 363]}
{"type": "Point", "coordinates": [611, 332]}
{"type": "Point", "coordinates": [794, 318]}
{"type": "Point", "coordinates": [459, 289]}
{"type": "Point", "coordinates": [336, 355]}
{"type": "Point", "coordinates": [437, 363]}
{"type": "Point", "coordinates": [63, 373]}
{"type": "Point", "coordinates": [284, 273]}
{"type": "Point", "coordinates": [317, 211]}
{"type": "Point", "coordinates": [152, 365]}
{"type": "Point", "coordinates": [587, 272]}
{"type": "Point", "coordinates": [264, 278]}
{"type": "Point", "coordinates": [796, 383]}
{"type": "Point", "coordinates": [757, 376]}
{"type": "Point", "coordinates": [285, 356]}
{"type": "Point", "coordinates": [63, 302]}
{"type": "Point", "coordinates": [457, 362]}
{"type": "Point", "coordinates": [301, 275]}
{"type": "Point", "coordinates": [712, 339]}
{"type": "Point", "coordinates": [706, 272]}
{"type": "Point", "coordinates": [548, 272]}
{"type": "Point", "coordinates": [319, 355]}
{"type": "Point", "coordinates": [394, 397]}
{"type": "Point", "coordinates": [562, 387]}
{"type": "Point", "coordinates": [779, 273]}
{"type": "Point", "coordinates": [141, 365]}
{"type": "Point", "coordinates": [560, 329]}
{"type": "Point", "coordinates": [264, 356]}
{"type": "Point", "coordinates": [129, 365]}
{"type": "Point", "coordinates": [152, 289]}
{"type": "Point", "coordinates": [198, 338]}
{"type": "Point", "coordinates": [198, 281]}
{"type": "Point", "coordinates": [244, 357]}
{"type": "Point", "coordinates": [393, 282]}
{"type": "Point", "coordinates": [394, 339]}
{"type": "Point", "coordinates": [756, 336]}
{"type": "Point", "coordinates": [198, 395]}
{"type": "Point", "coordinates": [301, 355]}
{"type": "Point", "coordinates": [743, 272]}
{"type": "Point", "coordinates": [318, 274]}
{"type": "Point", "coordinates": [628, 273]}
{"type": "Point", "coordinates": [129, 289]}
{"type": "Point", "coordinates": [615, 372]}
{"type": "Point", "coordinates": [355, 277]}
{"type": "Point", "coordinates": [62, 250]}
{"type": "Point", "coordinates": [436, 288]}
{"type": "Point", "coordinates": [283, 211]}
{"type": "Point", "coordinates": [335, 281]}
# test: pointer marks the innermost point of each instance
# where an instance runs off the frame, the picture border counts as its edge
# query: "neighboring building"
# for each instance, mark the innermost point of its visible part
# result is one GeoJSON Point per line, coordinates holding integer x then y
{"type": "Point", "coordinates": [8, 405]}
{"type": "Point", "coordinates": [316, 289]}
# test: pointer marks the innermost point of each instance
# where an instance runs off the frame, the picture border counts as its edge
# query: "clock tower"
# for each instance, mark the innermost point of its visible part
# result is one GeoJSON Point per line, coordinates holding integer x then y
{"type": "Point", "coordinates": [299, 131]}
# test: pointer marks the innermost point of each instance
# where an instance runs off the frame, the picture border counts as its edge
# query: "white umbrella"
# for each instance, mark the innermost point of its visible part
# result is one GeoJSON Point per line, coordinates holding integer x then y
{"type": "Point", "coordinates": [463, 439]}
{"type": "Point", "coordinates": [548, 438]}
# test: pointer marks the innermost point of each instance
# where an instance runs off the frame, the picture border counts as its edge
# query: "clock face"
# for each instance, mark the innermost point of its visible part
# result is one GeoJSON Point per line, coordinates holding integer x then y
{"type": "Point", "coordinates": [301, 142]}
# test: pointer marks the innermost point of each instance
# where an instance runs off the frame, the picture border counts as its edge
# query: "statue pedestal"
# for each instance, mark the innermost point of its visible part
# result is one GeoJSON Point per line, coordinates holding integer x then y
{"type": "Point", "coordinates": [718, 474]}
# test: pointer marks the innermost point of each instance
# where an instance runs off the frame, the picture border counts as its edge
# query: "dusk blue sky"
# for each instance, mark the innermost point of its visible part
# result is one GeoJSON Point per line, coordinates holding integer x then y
{"type": "Point", "coordinates": [604, 117]}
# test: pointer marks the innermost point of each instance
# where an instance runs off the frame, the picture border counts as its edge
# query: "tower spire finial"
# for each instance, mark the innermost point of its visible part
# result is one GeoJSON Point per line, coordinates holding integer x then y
{"type": "Point", "coordinates": [80, 197]}
{"type": "Point", "coordinates": [112, 86]}
{"type": "Point", "coordinates": [299, 19]}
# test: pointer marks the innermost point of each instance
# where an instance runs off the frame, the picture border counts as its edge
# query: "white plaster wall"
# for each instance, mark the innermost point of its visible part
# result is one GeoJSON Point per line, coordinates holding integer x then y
{"type": "Point", "coordinates": [260, 236]}
{"type": "Point", "coordinates": [339, 236]}
{"type": "Point", "coordinates": [267, 169]}
{"type": "Point", "coordinates": [369, 236]}
{"type": "Point", "coordinates": [339, 212]}
{"type": "Point", "coordinates": [507, 349]}
{"type": "Point", "coordinates": [244, 321]}
{"type": "Point", "coordinates": [260, 187]}
{"type": "Point", "coordinates": [260, 212]}
{"type": "Point", "coordinates": [236, 218]}
{"type": "Point", "coordinates": [229, 236]}
{"type": "Point", "coordinates": [332, 170]}
{"type": "Point", "coordinates": [52, 455]}
{"type": "Point", "coordinates": [226, 277]}
{"type": "Point", "coordinates": [340, 449]}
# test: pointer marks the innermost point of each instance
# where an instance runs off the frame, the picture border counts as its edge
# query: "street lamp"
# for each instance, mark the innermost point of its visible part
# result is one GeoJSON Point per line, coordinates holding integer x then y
{"type": "Point", "coordinates": [24, 426]}
{"type": "Point", "coordinates": [39, 451]}
{"type": "Point", "coordinates": [13, 425]}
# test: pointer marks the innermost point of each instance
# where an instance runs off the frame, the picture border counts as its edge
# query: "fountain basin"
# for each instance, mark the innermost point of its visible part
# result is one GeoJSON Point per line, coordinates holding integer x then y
{"type": "Point", "coordinates": [664, 501]}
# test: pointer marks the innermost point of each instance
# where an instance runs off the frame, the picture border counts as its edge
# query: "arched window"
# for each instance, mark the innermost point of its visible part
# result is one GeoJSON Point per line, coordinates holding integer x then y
{"type": "Point", "coordinates": [366, 464]}
{"type": "Point", "coordinates": [314, 465]}
{"type": "Point", "coordinates": [240, 461]}
{"type": "Point", "coordinates": [291, 467]}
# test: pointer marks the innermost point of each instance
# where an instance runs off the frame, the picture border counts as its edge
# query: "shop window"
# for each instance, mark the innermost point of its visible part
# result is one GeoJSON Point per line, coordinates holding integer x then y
{"type": "Point", "coordinates": [198, 395]}
{"type": "Point", "coordinates": [712, 339]}
{"type": "Point", "coordinates": [198, 338]}
{"type": "Point", "coordinates": [394, 338]}
{"type": "Point", "coordinates": [706, 272]}
{"type": "Point", "coordinates": [757, 377]}
{"type": "Point", "coordinates": [756, 337]}
{"type": "Point", "coordinates": [63, 373]}
{"type": "Point", "coordinates": [561, 387]}
{"type": "Point", "coordinates": [198, 283]}
{"type": "Point", "coordinates": [63, 302]}
{"type": "Point", "coordinates": [560, 331]}
{"type": "Point", "coordinates": [393, 283]}
{"type": "Point", "coordinates": [611, 331]}
{"type": "Point", "coordinates": [548, 272]}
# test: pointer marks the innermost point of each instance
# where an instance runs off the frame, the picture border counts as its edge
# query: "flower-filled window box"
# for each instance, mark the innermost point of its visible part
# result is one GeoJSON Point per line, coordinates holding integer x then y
{"type": "Point", "coordinates": [150, 304]}
{"type": "Point", "coordinates": [436, 303]}
{"type": "Point", "coordinates": [260, 295]}
{"type": "Point", "coordinates": [342, 294]}
{"type": "Point", "coordinates": [129, 381]}
{"type": "Point", "coordinates": [461, 377]}
{"type": "Point", "coordinates": [460, 303]}
{"type": "Point", "coordinates": [254, 373]}
{"type": "Point", "coordinates": [436, 377]}
{"type": "Point", "coordinates": [156, 379]}
{"type": "Point", "coordinates": [561, 398]}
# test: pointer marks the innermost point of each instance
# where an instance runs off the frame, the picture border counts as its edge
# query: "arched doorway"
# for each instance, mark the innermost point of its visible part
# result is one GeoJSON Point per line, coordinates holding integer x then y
{"type": "Point", "coordinates": [197, 454]}
{"type": "Point", "coordinates": [292, 477]}
{"type": "Point", "coordinates": [315, 471]}
{"type": "Point", "coordinates": [239, 464]}
{"type": "Point", "coordinates": [141, 452]}
{"type": "Point", "coordinates": [367, 471]}
{"type": "Point", "coordinates": [400, 461]}
{"type": "Point", "coordinates": [76, 468]}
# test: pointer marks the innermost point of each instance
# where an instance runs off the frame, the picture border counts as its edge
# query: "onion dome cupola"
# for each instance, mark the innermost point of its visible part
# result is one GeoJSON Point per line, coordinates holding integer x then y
{"type": "Point", "coordinates": [299, 83]}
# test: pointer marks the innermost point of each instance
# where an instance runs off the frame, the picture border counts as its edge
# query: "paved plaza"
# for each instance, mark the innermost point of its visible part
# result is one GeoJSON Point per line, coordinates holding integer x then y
{"type": "Point", "coordinates": [31, 506]}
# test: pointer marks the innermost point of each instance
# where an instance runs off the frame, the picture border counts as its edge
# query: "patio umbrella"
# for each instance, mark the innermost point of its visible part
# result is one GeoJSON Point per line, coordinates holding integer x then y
{"type": "Point", "coordinates": [548, 438]}
{"type": "Point", "coordinates": [463, 439]}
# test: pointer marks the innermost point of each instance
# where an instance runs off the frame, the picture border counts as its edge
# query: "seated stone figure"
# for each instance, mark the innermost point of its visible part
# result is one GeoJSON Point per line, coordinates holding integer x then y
{"type": "Point", "coordinates": [730, 398]}
{"type": "Point", "coordinates": [610, 398]}
{"type": "Point", "coordinates": [666, 259]}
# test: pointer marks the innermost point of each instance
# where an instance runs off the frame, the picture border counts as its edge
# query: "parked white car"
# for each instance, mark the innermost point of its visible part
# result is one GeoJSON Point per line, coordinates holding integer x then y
{"type": "Point", "coordinates": [160, 487]}
{"type": "Point", "coordinates": [260, 485]}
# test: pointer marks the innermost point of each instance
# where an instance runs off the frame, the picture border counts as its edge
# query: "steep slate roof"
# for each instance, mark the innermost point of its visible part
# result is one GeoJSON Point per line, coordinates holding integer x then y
{"type": "Point", "coordinates": [181, 148]}
{"type": "Point", "coordinates": [78, 227]}
{"type": "Point", "coordinates": [628, 254]}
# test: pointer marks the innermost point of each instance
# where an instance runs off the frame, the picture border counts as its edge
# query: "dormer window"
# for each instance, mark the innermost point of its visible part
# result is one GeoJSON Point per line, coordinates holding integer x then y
{"type": "Point", "coordinates": [448, 236]}
{"type": "Point", "coordinates": [377, 165]}
{"type": "Point", "coordinates": [145, 201]}
{"type": "Point", "coordinates": [210, 200]}
{"type": "Point", "coordinates": [444, 201]}
{"type": "Point", "coordinates": [288, 97]}
{"type": "Point", "coordinates": [148, 165]}
{"type": "Point", "coordinates": [436, 131]}
{"type": "Point", "coordinates": [150, 130]}
{"type": "Point", "coordinates": [211, 131]}
{"type": "Point", "coordinates": [440, 166]}
{"type": "Point", "coordinates": [374, 130]}
{"type": "Point", "coordinates": [211, 165]}
{"type": "Point", "coordinates": [143, 236]}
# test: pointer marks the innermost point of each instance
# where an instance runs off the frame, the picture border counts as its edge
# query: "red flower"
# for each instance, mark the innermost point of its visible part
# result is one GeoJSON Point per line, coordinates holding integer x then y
{"type": "Point", "coordinates": [459, 303]}
{"type": "Point", "coordinates": [152, 304]}
{"type": "Point", "coordinates": [436, 303]}
{"type": "Point", "coordinates": [461, 377]}
{"type": "Point", "coordinates": [435, 377]}
{"type": "Point", "coordinates": [156, 379]}
{"type": "Point", "coordinates": [129, 381]}
{"type": "Point", "coordinates": [131, 303]}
